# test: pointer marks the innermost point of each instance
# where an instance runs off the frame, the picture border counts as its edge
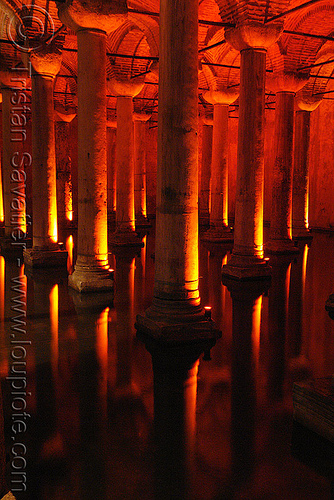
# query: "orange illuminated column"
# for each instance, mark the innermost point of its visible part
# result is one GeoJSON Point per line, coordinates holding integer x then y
{"type": "Point", "coordinates": [219, 230]}
{"type": "Point", "coordinates": [91, 24]}
{"type": "Point", "coordinates": [300, 190]}
{"type": "Point", "coordinates": [125, 234]}
{"type": "Point", "coordinates": [205, 176]}
{"type": "Point", "coordinates": [247, 260]}
{"type": "Point", "coordinates": [64, 177]}
{"type": "Point", "coordinates": [45, 252]}
{"type": "Point", "coordinates": [140, 168]}
{"type": "Point", "coordinates": [111, 171]}
{"type": "Point", "coordinates": [14, 161]}
{"type": "Point", "coordinates": [280, 237]}
{"type": "Point", "coordinates": [176, 295]}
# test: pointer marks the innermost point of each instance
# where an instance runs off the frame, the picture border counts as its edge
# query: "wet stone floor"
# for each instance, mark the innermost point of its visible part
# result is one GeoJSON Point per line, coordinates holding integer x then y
{"type": "Point", "coordinates": [86, 416]}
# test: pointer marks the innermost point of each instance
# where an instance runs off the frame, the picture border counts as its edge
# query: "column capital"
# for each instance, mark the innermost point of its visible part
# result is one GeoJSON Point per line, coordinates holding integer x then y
{"type": "Point", "coordinates": [10, 78]}
{"type": "Point", "coordinates": [222, 96]}
{"type": "Point", "coordinates": [141, 117]}
{"type": "Point", "coordinates": [253, 35]}
{"type": "Point", "coordinates": [122, 87]}
{"type": "Point", "coordinates": [93, 14]}
{"type": "Point", "coordinates": [307, 102]}
{"type": "Point", "coordinates": [284, 81]}
{"type": "Point", "coordinates": [46, 61]}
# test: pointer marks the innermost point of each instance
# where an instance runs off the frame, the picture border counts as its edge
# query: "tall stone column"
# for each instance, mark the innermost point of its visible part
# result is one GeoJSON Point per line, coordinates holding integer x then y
{"type": "Point", "coordinates": [111, 172]}
{"type": "Point", "coordinates": [285, 86]}
{"type": "Point", "coordinates": [176, 313]}
{"type": "Point", "coordinates": [219, 229]}
{"type": "Point", "coordinates": [300, 189]}
{"type": "Point", "coordinates": [91, 24]}
{"type": "Point", "coordinates": [205, 175]}
{"type": "Point", "coordinates": [125, 234]}
{"type": "Point", "coordinates": [45, 251]}
{"type": "Point", "coordinates": [14, 162]}
{"type": "Point", "coordinates": [140, 127]}
{"type": "Point", "coordinates": [64, 169]}
{"type": "Point", "coordinates": [247, 260]}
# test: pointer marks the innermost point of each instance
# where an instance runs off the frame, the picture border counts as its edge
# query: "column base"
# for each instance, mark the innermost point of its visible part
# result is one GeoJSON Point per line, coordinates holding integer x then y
{"type": "Point", "coordinates": [301, 233]}
{"type": "Point", "coordinates": [125, 239]}
{"type": "Point", "coordinates": [330, 306]}
{"type": "Point", "coordinates": [9, 245]}
{"type": "Point", "coordinates": [177, 333]}
{"type": "Point", "coordinates": [142, 222]}
{"type": "Point", "coordinates": [218, 235]}
{"type": "Point", "coordinates": [281, 247]}
{"type": "Point", "coordinates": [92, 280]}
{"type": "Point", "coordinates": [241, 267]}
{"type": "Point", "coordinates": [45, 258]}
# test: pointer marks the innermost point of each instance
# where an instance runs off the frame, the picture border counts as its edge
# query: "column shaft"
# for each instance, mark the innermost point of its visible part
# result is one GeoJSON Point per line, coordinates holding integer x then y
{"type": "Point", "coordinates": [247, 260]}
{"type": "Point", "coordinates": [140, 171]}
{"type": "Point", "coordinates": [125, 211]}
{"type": "Point", "coordinates": [92, 185]}
{"type": "Point", "coordinates": [13, 159]}
{"type": "Point", "coordinates": [281, 207]}
{"type": "Point", "coordinates": [111, 170]}
{"type": "Point", "coordinates": [176, 258]}
{"type": "Point", "coordinates": [219, 170]}
{"type": "Point", "coordinates": [64, 178]}
{"type": "Point", "coordinates": [44, 164]}
{"type": "Point", "coordinates": [204, 199]}
{"type": "Point", "coordinates": [300, 193]}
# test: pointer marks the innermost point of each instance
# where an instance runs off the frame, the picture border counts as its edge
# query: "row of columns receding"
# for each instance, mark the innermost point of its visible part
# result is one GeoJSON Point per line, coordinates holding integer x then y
{"type": "Point", "coordinates": [176, 296]}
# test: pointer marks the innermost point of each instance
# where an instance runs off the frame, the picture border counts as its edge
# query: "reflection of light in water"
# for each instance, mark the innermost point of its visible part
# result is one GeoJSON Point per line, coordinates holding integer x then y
{"type": "Point", "coordinates": [305, 255]}
{"type": "Point", "coordinates": [54, 327]}
{"type": "Point", "coordinates": [69, 248]}
{"type": "Point", "coordinates": [256, 318]}
{"type": "Point", "coordinates": [102, 354]}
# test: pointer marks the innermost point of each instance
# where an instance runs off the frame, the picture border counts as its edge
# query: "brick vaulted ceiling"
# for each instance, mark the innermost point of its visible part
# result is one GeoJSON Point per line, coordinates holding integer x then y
{"type": "Point", "coordinates": [306, 45]}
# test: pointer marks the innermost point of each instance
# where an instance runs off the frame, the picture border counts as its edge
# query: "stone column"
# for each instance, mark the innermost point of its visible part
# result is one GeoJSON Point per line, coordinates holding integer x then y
{"type": "Point", "coordinates": [300, 189]}
{"type": "Point", "coordinates": [111, 172]}
{"type": "Point", "coordinates": [247, 260]}
{"type": "Point", "coordinates": [64, 164]}
{"type": "Point", "coordinates": [125, 234]}
{"type": "Point", "coordinates": [219, 230]}
{"type": "Point", "coordinates": [45, 251]}
{"type": "Point", "coordinates": [91, 24]}
{"type": "Point", "coordinates": [13, 163]}
{"type": "Point", "coordinates": [176, 295]}
{"type": "Point", "coordinates": [140, 169]}
{"type": "Point", "coordinates": [280, 236]}
{"type": "Point", "coordinates": [205, 176]}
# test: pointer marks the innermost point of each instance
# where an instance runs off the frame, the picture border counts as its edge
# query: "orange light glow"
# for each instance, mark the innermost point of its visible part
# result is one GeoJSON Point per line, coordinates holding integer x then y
{"type": "Point", "coordinates": [305, 255]}
{"type": "Point", "coordinates": [69, 247]}
{"type": "Point", "coordinates": [54, 327]}
{"type": "Point", "coordinates": [2, 288]}
{"type": "Point", "coordinates": [102, 354]}
{"type": "Point", "coordinates": [256, 328]}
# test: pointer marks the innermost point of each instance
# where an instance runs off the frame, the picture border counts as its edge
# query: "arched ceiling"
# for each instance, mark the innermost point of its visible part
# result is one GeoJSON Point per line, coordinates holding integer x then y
{"type": "Point", "coordinates": [306, 44]}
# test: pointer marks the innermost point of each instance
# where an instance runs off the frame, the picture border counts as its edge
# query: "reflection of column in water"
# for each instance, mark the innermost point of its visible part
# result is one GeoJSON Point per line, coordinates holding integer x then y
{"type": "Point", "coordinates": [175, 384]}
{"type": "Point", "coordinates": [92, 313]}
{"type": "Point", "coordinates": [124, 297]}
{"type": "Point", "coordinates": [246, 304]}
{"type": "Point", "coordinates": [296, 301]}
{"type": "Point", "coordinates": [277, 321]}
